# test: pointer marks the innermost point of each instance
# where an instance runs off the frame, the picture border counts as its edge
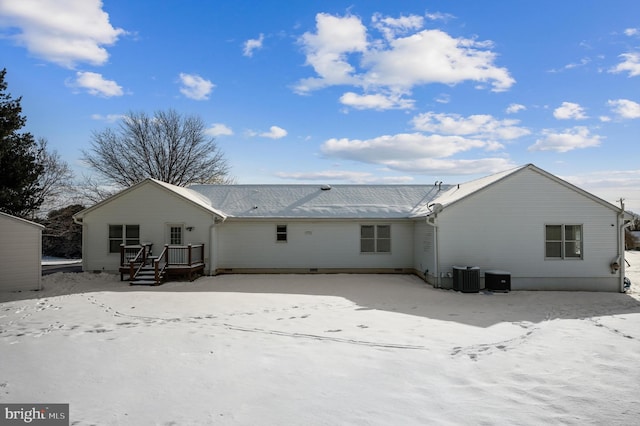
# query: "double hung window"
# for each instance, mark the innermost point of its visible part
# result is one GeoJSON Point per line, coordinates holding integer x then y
{"type": "Point", "coordinates": [375, 238]}
{"type": "Point", "coordinates": [281, 233]}
{"type": "Point", "coordinates": [128, 235]}
{"type": "Point", "coordinates": [563, 242]}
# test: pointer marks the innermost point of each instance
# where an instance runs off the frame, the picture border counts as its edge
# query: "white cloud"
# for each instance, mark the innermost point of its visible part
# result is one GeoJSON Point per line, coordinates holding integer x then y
{"type": "Point", "coordinates": [439, 16]}
{"type": "Point", "coordinates": [252, 44]}
{"type": "Point", "coordinates": [576, 138]}
{"type": "Point", "coordinates": [392, 27]}
{"type": "Point", "coordinates": [476, 126]}
{"type": "Point", "coordinates": [515, 108]}
{"type": "Point", "coordinates": [109, 118]}
{"type": "Point", "coordinates": [631, 32]}
{"type": "Point", "coordinates": [342, 52]}
{"type": "Point", "coordinates": [274, 132]}
{"type": "Point", "coordinates": [195, 87]}
{"type": "Point", "coordinates": [345, 176]}
{"type": "Point", "coordinates": [443, 98]}
{"type": "Point", "coordinates": [402, 146]}
{"type": "Point", "coordinates": [630, 64]}
{"type": "Point", "coordinates": [481, 166]}
{"type": "Point", "coordinates": [218, 129]}
{"type": "Point", "coordinates": [611, 185]}
{"type": "Point", "coordinates": [96, 85]}
{"type": "Point", "coordinates": [326, 50]}
{"type": "Point", "coordinates": [625, 108]}
{"type": "Point", "coordinates": [569, 111]}
{"type": "Point", "coordinates": [327, 175]}
{"type": "Point", "coordinates": [433, 56]}
{"type": "Point", "coordinates": [583, 62]}
{"type": "Point", "coordinates": [66, 32]}
{"type": "Point", "coordinates": [377, 101]}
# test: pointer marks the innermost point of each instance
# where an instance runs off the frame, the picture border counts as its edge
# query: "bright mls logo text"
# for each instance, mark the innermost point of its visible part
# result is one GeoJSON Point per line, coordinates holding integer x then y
{"type": "Point", "coordinates": [39, 414]}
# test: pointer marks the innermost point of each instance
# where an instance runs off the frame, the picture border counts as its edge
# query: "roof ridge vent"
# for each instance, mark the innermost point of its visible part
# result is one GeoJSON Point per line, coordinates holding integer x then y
{"type": "Point", "coordinates": [325, 187]}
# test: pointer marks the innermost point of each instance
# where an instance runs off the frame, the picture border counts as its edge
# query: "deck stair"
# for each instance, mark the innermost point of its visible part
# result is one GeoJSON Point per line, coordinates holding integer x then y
{"type": "Point", "coordinates": [143, 268]}
{"type": "Point", "coordinates": [146, 275]}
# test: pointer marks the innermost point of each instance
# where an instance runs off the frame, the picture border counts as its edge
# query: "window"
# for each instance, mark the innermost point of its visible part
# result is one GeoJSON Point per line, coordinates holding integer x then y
{"type": "Point", "coordinates": [375, 239]}
{"type": "Point", "coordinates": [281, 233]}
{"type": "Point", "coordinates": [128, 235]}
{"type": "Point", "coordinates": [175, 235]}
{"type": "Point", "coordinates": [563, 242]}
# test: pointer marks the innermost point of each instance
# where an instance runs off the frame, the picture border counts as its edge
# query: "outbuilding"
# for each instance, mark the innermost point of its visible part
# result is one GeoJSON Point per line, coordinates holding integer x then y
{"type": "Point", "coordinates": [20, 254]}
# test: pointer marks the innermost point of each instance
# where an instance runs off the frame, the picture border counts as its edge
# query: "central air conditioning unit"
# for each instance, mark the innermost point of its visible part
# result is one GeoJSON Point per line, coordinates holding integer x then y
{"type": "Point", "coordinates": [466, 279]}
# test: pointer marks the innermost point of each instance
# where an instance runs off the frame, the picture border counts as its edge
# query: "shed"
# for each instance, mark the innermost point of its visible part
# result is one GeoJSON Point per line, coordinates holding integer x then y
{"type": "Point", "coordinates": [20, 254]}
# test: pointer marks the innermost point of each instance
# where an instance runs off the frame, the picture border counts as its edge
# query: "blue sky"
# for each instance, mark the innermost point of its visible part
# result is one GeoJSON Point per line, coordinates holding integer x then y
{"type": "Point", "coordinates": [346, 92]}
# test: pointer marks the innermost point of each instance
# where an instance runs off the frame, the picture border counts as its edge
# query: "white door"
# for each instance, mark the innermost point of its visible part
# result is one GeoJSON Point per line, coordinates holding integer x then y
{"type": "Point", "coordinates": [175, 239]}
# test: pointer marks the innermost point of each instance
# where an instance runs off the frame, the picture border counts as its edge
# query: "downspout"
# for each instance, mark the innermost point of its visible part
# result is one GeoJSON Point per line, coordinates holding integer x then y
{"type": "Point", "coordinates": [621, 243]}
{"type": "Point", "coordinates": [212, 266]}
{"type": "Point", "coordinates": [437, 283]}
{"type": "Point", "coordinates": [213, 251]}
{"type": "Point", "coordinates": [84, 242]}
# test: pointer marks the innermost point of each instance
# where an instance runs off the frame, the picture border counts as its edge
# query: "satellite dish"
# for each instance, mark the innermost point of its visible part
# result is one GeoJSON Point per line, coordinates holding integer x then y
{"type": "Point", "coordinates": [437, 208]}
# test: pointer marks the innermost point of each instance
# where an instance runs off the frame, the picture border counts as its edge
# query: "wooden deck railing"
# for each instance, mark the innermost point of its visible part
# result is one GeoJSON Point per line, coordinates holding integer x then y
{"type": "Point", "coordinates": [159, 264]}
{"type": "Point", "coordinates": [133, 257]}
{"type": "Point", "coordinates": [187, 259]}
{"type": "Point", "coordinates": [137, 252]}
{"type": "Point", "coordinates": [189, 255]}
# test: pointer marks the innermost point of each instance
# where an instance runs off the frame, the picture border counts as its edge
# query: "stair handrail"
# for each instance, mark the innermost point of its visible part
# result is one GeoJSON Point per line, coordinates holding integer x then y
{"type": "Point", "coordinates": [156, 263]}
{"type": "Point", "coordinates": [136, 259]}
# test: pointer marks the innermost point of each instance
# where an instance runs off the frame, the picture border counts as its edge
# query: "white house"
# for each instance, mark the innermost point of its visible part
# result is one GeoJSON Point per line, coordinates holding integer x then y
{"type": "Point", "coordinates": [538, 230]}
{"type": "Point", "coordinates": [20, 254]}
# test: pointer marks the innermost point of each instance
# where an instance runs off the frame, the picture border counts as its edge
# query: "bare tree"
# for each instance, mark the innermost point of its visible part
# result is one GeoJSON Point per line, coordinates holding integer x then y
{"type": "Point", "coordinates": [90, 190]}
{"type": "Point", "coordinates": [55, 181]}
{"type": "Point", "coordinates": [167, 146]}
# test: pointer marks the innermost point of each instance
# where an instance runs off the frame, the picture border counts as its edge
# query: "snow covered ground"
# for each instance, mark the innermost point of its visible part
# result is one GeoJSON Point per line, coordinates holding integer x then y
{"type": "Point", "coordinates": [321, 350]}
{"type": "Point", "coordinates": [57, 261]}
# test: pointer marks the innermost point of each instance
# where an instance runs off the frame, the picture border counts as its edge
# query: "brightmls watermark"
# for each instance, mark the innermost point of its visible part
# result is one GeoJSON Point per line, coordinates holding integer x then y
{"type": "Point", "coordinates": [34, 414]}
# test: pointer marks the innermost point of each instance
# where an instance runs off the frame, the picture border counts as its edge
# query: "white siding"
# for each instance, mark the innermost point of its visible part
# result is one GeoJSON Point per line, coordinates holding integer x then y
{"type": "Point", "coordinates": [20, 254]}
{"type": "Point", "coordinates": [424, 250]}
{"type": "Point", "coordinates": [321, 244]}
{"type": "Point", "coordinates": [502, 227]}
{"type": "Point", "coordinates": [151, 207]}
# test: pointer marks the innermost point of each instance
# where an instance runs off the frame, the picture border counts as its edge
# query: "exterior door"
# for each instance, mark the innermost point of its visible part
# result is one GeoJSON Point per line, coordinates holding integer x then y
{"type": "Point", "coordinates": [175, 238]}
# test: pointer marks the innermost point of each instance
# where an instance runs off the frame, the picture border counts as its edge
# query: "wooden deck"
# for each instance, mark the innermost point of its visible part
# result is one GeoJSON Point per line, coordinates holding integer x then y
{"type": "Point", "coordinates": [174, 262]}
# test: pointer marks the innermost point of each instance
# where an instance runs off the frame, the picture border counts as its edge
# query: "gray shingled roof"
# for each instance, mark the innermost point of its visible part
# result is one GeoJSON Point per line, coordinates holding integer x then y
{"type": "Point", "coordinates": [311, 201]}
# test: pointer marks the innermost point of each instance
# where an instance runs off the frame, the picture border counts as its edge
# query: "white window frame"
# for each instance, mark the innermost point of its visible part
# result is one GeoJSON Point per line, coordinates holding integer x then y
{"type": "Point", "coordinates": [170, 227]}
{"type": "Point", "coordinates": [381, 244]}
{"type": "Point", "coordinates": [563, 241]}
{"type": "Point", "coordinates": [123, 239]}
{"type": "Point", "coordinates": [282, 234]}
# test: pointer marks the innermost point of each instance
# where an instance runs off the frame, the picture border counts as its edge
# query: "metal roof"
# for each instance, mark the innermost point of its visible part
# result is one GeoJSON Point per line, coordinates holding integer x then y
{"type": "Point", "coordinates": [319, 201]}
